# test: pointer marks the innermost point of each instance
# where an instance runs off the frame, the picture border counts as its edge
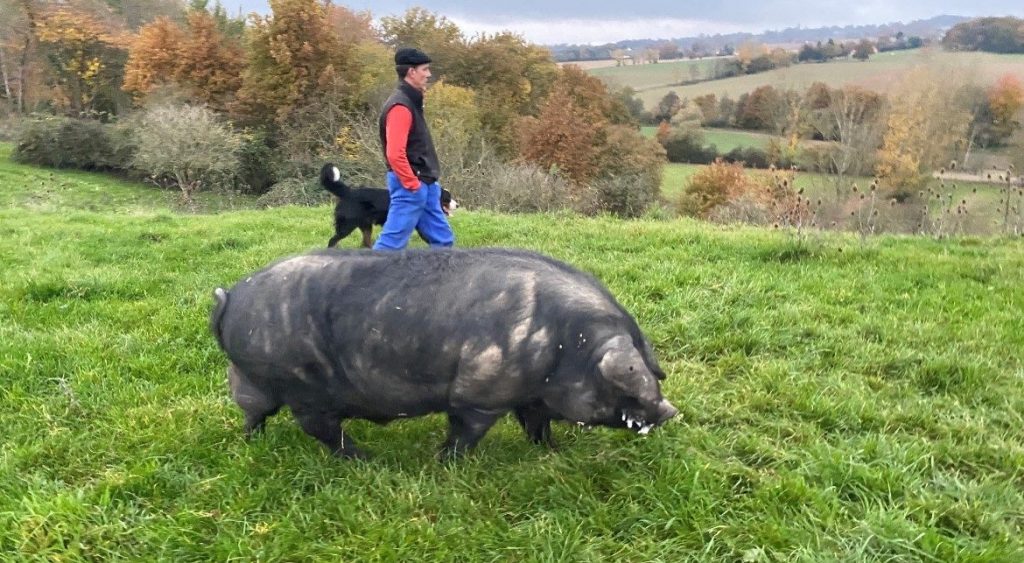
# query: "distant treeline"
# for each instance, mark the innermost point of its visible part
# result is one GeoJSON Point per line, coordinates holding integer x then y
{"type": "Point", "coordinates": [706, 45]}
{"type": "Point", "coordinates": [994, 35]}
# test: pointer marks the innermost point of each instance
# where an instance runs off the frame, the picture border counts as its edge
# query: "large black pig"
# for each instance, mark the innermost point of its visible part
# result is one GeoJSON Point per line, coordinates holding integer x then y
{"type": "Point", "coordinates": [474, 333]}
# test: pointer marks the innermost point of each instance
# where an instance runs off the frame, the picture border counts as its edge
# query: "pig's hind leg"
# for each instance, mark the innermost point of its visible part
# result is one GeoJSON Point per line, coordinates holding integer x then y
{"type": "Point", "coordinates": [256, 403]}
{"type": "Point", "coordinates": [466, 426]}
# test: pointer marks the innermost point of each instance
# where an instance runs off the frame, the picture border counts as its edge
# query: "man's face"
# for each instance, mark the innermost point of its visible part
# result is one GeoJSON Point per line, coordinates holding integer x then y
{"type": "Point", "coordinates": [418, 76]}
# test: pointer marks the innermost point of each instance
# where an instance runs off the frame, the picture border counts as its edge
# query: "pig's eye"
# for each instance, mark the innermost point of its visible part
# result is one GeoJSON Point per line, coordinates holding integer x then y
{"type": "Point", "coordinates": [630, 368]}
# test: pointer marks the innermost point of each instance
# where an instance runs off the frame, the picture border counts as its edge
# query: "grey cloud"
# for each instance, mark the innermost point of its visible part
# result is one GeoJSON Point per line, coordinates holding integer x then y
{"type": "Point", "coordinates": [767, 14]}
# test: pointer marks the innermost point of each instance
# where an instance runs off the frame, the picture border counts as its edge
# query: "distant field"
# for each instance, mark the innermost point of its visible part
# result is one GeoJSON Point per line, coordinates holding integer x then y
{"type": "Point", "coordinates": [881, 72]}
{"type": "Point", "coordinates": [646, 76]}
{"type": "Point", "coordinates": [725, 140]}
{"type": "Point", "coordinates": [590, 65]}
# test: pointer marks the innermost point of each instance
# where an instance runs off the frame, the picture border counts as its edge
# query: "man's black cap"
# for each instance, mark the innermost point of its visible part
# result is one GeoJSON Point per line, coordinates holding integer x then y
{"type": "Point", "coordinates": [410, 56]}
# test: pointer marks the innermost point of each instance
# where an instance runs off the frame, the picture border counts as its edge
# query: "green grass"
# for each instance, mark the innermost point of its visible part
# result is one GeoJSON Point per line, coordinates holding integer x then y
{"type": "Point", "coordinates": [724, 140]}
{"type": "Point", "coordinates": [646, 76]}
{"type": "Point", "coordinates": [45, 190]}
{"type": "Point", "coordinates": [728, 139]}
{"type": "Point", "coordinates": [838, 402]}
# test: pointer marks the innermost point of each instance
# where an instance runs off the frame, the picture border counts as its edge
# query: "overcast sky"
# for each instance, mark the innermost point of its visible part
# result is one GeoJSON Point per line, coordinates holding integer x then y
{"type": "Point", "coordinates": [603, 21]}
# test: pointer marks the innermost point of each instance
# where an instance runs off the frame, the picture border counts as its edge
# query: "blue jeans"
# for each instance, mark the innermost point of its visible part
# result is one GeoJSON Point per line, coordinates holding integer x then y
{"type": "Point", "coordinates": [419, 210]}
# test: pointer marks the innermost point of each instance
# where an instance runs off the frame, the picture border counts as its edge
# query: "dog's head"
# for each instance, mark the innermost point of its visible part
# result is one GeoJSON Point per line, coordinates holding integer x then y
{"type": "Point", "coordinates": [448, 203]}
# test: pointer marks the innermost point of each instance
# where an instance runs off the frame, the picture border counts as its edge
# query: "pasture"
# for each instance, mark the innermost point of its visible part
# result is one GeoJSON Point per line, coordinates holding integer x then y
{"type": "Point", "coordinates": [725, 140]}
{"type": "Point", "coordinates": [881, 73]}
{"type": "Point", "coordinates": [839, 400]}
{"type": "Point", "coordinates": [646, 76]}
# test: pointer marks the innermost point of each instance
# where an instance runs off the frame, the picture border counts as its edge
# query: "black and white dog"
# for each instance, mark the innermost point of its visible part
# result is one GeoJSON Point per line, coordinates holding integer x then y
{"type": "Point", "coordinates": [363, 207]}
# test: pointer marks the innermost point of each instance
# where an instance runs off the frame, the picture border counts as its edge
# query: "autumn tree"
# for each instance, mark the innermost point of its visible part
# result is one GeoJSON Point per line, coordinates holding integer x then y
{"type": "Point", "coordinates": [435, 35]}
{"type": "Point", "coordinates": [576, 130]}
{"type": "Point", "coordinates": [1005, 100]}
{"type": "Point", "coordinates": [667, 106]}
{"type": "Point", "coordinates": [211, 63]}
{"type": "Point", "coordinates": [295, 58]}
{"type": "Point", "coordinates": [708, 104]}
{"type": "Point", "coordinates": [85, 57]}
{"type": "Point", "coordinates": [18, 68]}
{"type": "Point", "coordinates": [922, 130]}
{"type": "Point", "coordinates": [154, 56]}
{"type": "Point", "coordinates": [564, 137]}
{"type": "Point", "coordinates": [668, 50]}
{"type": "Point", "coordinates": [863, 50]}
{"type": "Point", "coordinates": [760, 109]}
{"type": "Point", "coordinates": [854, 120]}
{"type": "Point", "coordinates": [747, 52]}
{"type": "Point", "coordinates": [201, 59]}
{"type": "Point", "coordinates": [994, 34]}
{"type": "Point", "coordinates": [511, 78]}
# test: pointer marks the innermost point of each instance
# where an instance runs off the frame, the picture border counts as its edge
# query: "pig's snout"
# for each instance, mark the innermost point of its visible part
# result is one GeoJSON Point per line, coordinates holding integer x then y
{"type": "Point", "coordinates": [666, 411]}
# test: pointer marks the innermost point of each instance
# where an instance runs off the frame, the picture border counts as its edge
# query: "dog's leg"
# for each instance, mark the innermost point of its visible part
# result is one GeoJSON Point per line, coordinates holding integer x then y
{"type": "Point", "coordinates": [340, 231]}
{"type": "Point", "coordinates": [367, 242]}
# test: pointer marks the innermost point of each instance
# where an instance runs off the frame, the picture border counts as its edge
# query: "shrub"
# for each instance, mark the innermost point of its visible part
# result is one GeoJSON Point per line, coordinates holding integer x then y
{"type": "Point", "coordinates": [751, 157]}
{"type": "Point", "coordinates": [725, 184]}
{"type": "Point", "coordinates": [186, 147]}
{"type": "Point", "coordinates": [516, 188]}
{"type": "Point", "coordinates": [627, 196]}
{"type": "Point", "coordinates": [122, 149]}
{"type": "Point", "coordinates": [630, 167]}
{"type": "Point", "coordinates": [256, 163]}
{"type": "Point", "coordinates": [687, 145]}
{"type": "Point", "coordinates": [295, 191]}
{"type": "Point", "coordinates": [67, 143]}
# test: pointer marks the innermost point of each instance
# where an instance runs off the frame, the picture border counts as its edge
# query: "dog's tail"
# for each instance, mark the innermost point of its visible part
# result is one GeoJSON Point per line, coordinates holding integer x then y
{"type": "Point", "coordinates": [330, 179]}
{"type": "Point", "coordinates": [220, 296]}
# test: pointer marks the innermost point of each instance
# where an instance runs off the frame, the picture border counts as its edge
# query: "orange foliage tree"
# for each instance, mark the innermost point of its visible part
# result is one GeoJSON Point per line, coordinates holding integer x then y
{"type": "Point", "coordinates": [154, 56]}
{"type": "Point", "coordinates": [578, 131]}
{"type": "Point", "coordinates": [564, 136]}
{"type": "Point", "coordinates": [201, 59]}
{"type": "Point", "coordinates": [1005, 99]}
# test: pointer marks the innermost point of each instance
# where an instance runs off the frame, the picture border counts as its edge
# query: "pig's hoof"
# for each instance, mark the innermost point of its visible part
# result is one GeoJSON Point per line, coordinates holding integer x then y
{"type": "Point", "coordinates": [450, 455]}
{"type": "Point", "coordinates": [352, 453]}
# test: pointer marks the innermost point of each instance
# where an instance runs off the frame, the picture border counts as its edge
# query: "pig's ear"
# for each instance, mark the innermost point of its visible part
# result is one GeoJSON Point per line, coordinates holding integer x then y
{"type": "Point", "coordinates": [652, 360]}
{"type": "Point", "coordinates": [622, 365]}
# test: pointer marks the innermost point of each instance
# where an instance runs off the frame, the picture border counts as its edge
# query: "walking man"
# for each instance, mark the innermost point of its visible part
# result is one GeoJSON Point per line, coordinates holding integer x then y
{"type": "Point", "coordinates": [413, 168]}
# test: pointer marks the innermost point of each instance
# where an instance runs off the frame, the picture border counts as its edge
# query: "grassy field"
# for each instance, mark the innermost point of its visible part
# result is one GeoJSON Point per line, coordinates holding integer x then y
{"type": "Point", "coordinates": [725, 140]}
{"type": "Point", "coordinates": [838, 401]}
{"type": "Point", "coordinates": [881, 72]}
{"type": "Point", "coordinates": [646, 76]}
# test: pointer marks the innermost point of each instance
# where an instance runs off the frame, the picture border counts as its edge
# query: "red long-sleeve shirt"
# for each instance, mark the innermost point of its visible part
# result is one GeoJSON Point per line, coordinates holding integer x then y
{"type": "Point", "coordinates": [397, 125]}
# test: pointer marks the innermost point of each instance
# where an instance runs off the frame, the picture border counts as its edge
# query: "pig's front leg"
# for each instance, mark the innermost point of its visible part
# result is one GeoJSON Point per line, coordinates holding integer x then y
{"type": "Point", "coordinates": [465, 428]}
{"type": "Point", "coordinates": [536, 422]}
{"type": "Point", "coordinates": [327, 428]}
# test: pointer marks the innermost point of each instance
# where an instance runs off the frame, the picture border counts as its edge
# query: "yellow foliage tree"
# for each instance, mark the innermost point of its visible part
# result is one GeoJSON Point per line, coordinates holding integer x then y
{"type": "Point", "coordinates": [85, 55]}
{"type": "Point", "coordinates": [922, 130]}
{"type": "Point", "coordinates": [294, 55]}
{"type": "Point", "coordinates": [454, 120]}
